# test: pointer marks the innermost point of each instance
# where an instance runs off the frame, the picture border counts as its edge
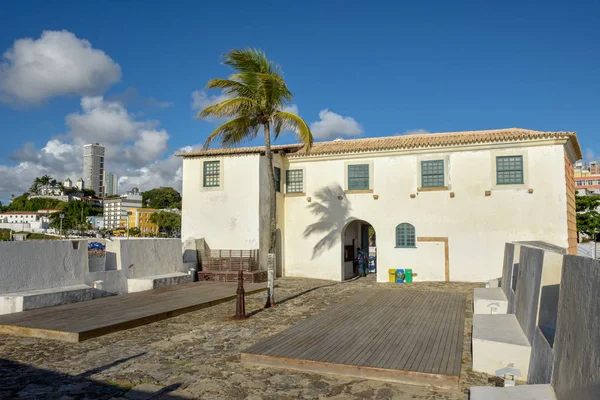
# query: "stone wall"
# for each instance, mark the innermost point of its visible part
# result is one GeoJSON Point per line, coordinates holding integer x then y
{"type": "Point", "coordinates": [528, 289]}
{"type": "Point", "coordinates": [576, 372]}
{"type": "Point", "coordinates": [33, 265]}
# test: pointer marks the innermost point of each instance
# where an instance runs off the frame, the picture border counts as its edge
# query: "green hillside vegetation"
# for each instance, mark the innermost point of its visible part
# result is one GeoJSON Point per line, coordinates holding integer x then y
{"type": "Point", "coordinates": [24, 203]}
{"type": "Point", "coordinates": [75, 215]}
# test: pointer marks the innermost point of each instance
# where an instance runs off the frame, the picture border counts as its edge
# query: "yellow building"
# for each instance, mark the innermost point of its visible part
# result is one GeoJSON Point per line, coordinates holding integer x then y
{"type": "Point", "coordinates": [140, 218]}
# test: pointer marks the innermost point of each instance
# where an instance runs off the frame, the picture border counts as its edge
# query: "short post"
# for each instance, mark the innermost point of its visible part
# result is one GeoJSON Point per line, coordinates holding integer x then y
{"type": "Point", "coordinates": [240, 305]}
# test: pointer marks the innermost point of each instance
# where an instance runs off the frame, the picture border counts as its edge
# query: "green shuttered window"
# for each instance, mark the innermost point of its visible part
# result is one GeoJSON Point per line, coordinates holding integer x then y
{"type": "Point", "coordinates": [294, 181]}
{"type": "Point", "coordinates": [405, 235]}
{"type": "Point", "coordinates": [277, 173]}
{"type": "Point", "coordinates": [212, 173]}
{"type": "Point", "coordinates": [432, 173]}
{"type": "Point", "coordinates": [358, 177]}
{"type": "Point", "coordinates": [509, 170]}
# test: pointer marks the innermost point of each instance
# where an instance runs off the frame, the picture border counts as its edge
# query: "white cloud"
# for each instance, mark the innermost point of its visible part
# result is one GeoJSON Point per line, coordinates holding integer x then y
{"type": "Point", "coordinates": [291, 108]}
{"type": "Point", "coordinates": [58, 63]}
{"type": "Point", "coordinates": [102, 121]}
{"type": "Point", "coordinates": [135, 151]}
{"type": "Point", "coordinates": [201, 99]}
{"type": "Point", "coordinates": [61, 160]}
{"type": "Point", "coordinates": [56, 158]}
{"type": "Point", "coordinates": [331, 125]}
{"type": "Point", "coordinates": [148, 146]}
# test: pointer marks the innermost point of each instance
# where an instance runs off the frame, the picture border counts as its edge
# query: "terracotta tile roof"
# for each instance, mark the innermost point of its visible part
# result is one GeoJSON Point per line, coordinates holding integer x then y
{"type": "Point", "coordinates": [19, 213]}
{"type": "Point", "coordinates": [414, 141]}
{"type": "Point", "coordinates": [223, 151]}
{"type": "Point", "coordinates": [434, 140]}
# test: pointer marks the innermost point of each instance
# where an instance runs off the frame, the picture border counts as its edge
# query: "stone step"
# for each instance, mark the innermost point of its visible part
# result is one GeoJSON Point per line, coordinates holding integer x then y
{"type": "Point", "coordinates": [499, 344]}
{"type": "Point", "coordinates": [157, 281]}
{"type": "Point", "coordinates": [30, 300]}
{"type": "Point", "coordinates": [489, 301]}
{"type": "Point", "coordinates": [525, 392]}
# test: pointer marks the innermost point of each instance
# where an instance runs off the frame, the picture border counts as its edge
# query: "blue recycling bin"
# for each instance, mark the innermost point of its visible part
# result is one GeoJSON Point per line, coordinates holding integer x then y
{"type": "Point", "coordinates": [372, 265]}
{"type": "Point", "coordinates": [399, 276]}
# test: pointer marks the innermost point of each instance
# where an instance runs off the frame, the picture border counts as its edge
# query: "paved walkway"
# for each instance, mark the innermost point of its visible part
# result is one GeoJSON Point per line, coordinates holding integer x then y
{"type": "Point", "coordinates": [197, 355]}
{"type": "Point", "coordinates": [76, 322]}
{"type": "Point", "coordinates": [413, 337]}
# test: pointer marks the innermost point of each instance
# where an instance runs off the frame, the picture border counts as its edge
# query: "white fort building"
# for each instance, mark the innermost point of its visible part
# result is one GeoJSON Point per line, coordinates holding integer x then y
{"type": "Point", "coordinates": [441, 204]}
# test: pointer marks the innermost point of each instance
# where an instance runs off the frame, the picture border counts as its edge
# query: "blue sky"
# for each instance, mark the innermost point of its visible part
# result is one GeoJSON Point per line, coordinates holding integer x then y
{"type": "Point", "coordinates": [356, 69]}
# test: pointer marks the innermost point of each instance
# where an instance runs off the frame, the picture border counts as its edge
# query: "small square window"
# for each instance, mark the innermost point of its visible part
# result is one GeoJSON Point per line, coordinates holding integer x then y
{"type": "Point", "coordinates": [277, 173]}
{"type": "Point", "coordinates": [432, 173]}
{"type": "Point", "coordinates": [509, 170]}
{"type": "Point", "coordinates": [294, 181]}
{"type": "Point", "coordinates": [212, 173]}
{"type": "Point", "coordinates": [358, 177]}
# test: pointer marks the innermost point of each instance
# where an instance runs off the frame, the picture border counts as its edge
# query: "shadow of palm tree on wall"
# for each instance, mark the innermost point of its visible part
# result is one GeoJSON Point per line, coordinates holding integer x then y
{"type": "Point", "coordinates": [332, 214]}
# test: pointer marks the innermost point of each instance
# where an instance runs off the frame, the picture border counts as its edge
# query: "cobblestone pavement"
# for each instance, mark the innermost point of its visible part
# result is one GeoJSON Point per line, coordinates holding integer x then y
{"type": "Point", "coordinates": [196, 355]}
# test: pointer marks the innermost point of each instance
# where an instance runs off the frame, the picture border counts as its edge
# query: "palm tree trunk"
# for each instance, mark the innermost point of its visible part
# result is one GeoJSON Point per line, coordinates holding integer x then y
{"type": "Point", "coordinates": [272, 220]}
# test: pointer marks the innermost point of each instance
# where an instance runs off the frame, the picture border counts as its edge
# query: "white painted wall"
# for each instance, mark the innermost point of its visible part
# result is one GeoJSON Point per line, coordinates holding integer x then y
{"type": "Point", "coordinates": [39, 264]}
{"type": "Point", "coordinates": [477, 226]}
{"type": "Point", "coordinates": [227, 217]}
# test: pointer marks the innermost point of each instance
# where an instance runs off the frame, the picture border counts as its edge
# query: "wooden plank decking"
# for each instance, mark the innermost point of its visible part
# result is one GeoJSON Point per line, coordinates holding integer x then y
{"type": "Point", "coordinates": [88, 319]}
{"type": "Point", "coordinates": [406, 336]}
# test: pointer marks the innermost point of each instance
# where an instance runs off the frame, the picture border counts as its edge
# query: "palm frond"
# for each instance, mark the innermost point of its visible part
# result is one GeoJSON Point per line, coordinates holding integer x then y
{"type": "Point", "coordinates": [230, 108]}
{"type": "Point", "coordinates": [233, 88]}
{"type": "Point", "coordinates": [249, 60]}
{"type": "Point", "coordinates": [234, 132]}
{"type": "Point", "coordinates": [292, 122]}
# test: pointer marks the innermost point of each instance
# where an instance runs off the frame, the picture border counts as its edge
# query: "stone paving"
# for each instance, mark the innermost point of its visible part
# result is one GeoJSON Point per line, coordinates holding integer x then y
{"type": "Point", "coordinates": [196, 355]}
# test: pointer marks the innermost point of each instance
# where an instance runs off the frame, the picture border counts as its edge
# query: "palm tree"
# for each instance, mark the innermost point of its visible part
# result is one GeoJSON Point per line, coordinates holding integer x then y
{"type": "Point", "coordinates": [257, 95]}
{"type": "Point", "coordinates": [35, 186]}
{"type": "Point", "coordinates": [45, 180]}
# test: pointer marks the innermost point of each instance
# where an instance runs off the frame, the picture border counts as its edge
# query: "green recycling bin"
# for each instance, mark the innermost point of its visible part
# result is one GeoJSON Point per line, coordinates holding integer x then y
{"type": "Point", "coordinates": [408, 275]}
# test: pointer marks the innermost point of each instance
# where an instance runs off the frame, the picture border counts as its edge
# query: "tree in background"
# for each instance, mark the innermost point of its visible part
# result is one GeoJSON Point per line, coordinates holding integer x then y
{"type": "Point", "coordinates": [588, 217]}
{"type": "Point", "coordinates": [163, 197]}
{"type": "Point", "coordinates": [167, 222]}
{"type": "Point", "coordinates": [24, 203]}
{"type": "Point", "coordinates": [76, 213]}
{"type": "Point", "coordinates": [257, 96]}
{"type": "Point", "coordinates": [135, 231]}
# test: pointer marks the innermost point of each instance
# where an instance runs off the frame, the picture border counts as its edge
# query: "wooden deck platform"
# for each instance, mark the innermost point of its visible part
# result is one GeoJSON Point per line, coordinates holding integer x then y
{"type": "Point", "coordinates": [405, 336]}
{"type": "Point", "coordinates": [88, 319]}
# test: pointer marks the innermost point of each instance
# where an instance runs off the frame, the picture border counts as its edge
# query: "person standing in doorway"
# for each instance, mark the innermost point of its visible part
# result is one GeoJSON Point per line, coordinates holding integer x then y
{"type": "Point", "coordinates": [361, 261]}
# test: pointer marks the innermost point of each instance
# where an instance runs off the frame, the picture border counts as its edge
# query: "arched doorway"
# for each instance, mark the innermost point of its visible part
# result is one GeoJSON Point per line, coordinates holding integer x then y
{"type": "Point", "coordinates": [357, 234]}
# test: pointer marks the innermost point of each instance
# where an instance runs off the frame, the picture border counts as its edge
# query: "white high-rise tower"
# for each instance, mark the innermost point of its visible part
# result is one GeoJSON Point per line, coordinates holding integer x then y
{"type": "Point", "coordinates": [112, 184]}
{"type": "Point", "coordinates": [93, 168]}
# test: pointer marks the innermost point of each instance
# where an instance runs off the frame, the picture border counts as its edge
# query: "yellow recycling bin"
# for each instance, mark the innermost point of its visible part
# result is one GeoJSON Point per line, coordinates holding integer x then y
{"type": "Point", "coordinates": [392, 274]}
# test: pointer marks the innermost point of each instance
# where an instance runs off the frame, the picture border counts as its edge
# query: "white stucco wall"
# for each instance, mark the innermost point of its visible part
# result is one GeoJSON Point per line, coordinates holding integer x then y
{"type": "Point", "coordinates": [476, 225]}
{"type": "Point", "coordinates": [228, 216]}
{"type": "Point", "coordinates": [34, 265]}
{"type": "Point", "coordinates": [312, 224]}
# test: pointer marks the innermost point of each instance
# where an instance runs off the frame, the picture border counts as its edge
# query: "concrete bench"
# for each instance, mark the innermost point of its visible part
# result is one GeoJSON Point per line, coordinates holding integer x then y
{"type": "Point", "coordinates": [489, 301]}
{"type": "Point", "coordinates": [157, 281]}
{"type": "Point", "coordinates": [499, 343]}
{"type": "Point", "coordinates": [23, 301]}
{"type": "Point", "coordinates": [525, 392]}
